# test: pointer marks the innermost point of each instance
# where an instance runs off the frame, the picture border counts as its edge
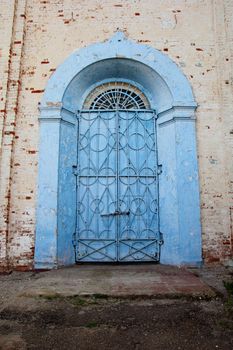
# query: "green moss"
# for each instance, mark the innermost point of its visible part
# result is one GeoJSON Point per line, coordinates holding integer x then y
{"type": "Point", "coordinates": [100, 296]}
{"type": "Point", "coordinates": [229, 287]}
{"type": "Point", "coordinates": [92, 325]}
{"type": "Point", "coordinates": [51, 297]}
{"type": "Point", "coordinates": [229, 303]}
{"type": "Point", "coordinates": [225, 324]}
{"type": "Point", "coordinates": [77, 301]}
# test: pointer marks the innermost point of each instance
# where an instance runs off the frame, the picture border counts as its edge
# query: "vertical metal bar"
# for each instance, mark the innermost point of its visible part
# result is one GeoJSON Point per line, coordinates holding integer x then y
{"type": "Point", "coordinates": [75, 236]}
{"type": "Point", "coordinates": [77, 188]}
{"type": "Point", "coordinates": [137, 170]}
{"type": "Point", "coordinates": [157, 178]}
{"type": "Point", "coordinates": [88, 180]}
{"type": "Point", "coordinates": [97, 171]}
{"type": "Point", "coordinates": [108, 189]}
{"type": "Point", "coordinates": [128, 165]}
{"type": "Point", "coordinates": [117, 182]}
{"type": "Point", "coordinates": [146, 129]}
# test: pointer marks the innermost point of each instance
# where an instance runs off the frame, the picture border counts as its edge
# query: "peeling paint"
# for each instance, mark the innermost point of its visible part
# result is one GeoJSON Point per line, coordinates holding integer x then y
{"type": "Point", "coordinates": [36, 34]}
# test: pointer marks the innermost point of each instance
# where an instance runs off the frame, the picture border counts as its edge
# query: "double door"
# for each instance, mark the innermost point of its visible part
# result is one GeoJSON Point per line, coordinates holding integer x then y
{"type": "Point", "coordinates": [117, 187]}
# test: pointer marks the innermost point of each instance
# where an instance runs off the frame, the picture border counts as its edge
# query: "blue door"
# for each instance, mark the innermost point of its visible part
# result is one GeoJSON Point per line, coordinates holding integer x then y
{"type": "Point", "coordinates": [117, 187]}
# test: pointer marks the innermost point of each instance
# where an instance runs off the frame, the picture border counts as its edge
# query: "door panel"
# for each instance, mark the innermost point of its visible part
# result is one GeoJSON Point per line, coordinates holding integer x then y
{"type": "Point", "coordinates": [96, 187]}
{"type": "Point", "coordinates": [117, 204]}
{"type": "Point", "coordinates": [138, 232]}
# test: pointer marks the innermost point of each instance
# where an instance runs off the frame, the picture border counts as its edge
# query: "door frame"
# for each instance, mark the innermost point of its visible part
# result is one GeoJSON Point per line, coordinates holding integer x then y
{"type": "Point", "coordinates": [171, 95]}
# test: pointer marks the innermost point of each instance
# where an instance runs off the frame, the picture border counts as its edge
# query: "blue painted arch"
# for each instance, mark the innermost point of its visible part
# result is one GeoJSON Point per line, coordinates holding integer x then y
{"type": "Point", "coordinates": [166, 76]}
{"type": "Point", "coordinates": [170, 94]}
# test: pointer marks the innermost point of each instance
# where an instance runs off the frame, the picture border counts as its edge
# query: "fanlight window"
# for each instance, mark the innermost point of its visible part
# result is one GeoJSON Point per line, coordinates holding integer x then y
{"type": "Point", "coordinates": [116, 96]}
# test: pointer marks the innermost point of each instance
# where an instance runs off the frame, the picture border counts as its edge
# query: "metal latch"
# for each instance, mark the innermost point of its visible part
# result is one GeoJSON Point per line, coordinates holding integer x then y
{"type": "Point", "coordinates": [116, 213]}
{"type": "Point", "coordinates": [159, 169]}
{"type": "Point", "coordinates": [75, 170]}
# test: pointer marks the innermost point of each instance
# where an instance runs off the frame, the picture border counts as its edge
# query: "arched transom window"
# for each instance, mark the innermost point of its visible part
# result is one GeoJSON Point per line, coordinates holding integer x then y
{"type": "Point", "coordinates": [116, 96]}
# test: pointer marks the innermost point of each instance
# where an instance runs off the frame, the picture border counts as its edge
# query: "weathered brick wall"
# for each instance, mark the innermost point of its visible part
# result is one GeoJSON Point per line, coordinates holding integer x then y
{"type": "Point", "coordinates": [6, 25]}
{"type": "Point", "coordinates": [12, 30]}
{"type": "Point", "coordinates": [196, 34]}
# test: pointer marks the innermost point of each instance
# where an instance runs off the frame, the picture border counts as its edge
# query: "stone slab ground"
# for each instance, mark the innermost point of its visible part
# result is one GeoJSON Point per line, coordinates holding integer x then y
{"type": "Point", "coordinates": [116, 307]}
{"type": "Point", "coordinates": [120, 280]}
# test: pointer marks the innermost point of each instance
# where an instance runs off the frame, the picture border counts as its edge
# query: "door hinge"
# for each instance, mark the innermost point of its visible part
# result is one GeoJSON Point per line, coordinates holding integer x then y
{"type": "Point", "coordinates": [161, 241]}
{"type": "Point", "coordinates": [159, 169]}
{"type": "Point", "coordinates": [74, 240]}
{"type": "Point", "coordinates": [75, 170]}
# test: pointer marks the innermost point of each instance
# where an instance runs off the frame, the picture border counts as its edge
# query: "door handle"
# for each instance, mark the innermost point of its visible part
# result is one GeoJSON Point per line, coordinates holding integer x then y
{"type": "Point", "coordinates": [117, 213]}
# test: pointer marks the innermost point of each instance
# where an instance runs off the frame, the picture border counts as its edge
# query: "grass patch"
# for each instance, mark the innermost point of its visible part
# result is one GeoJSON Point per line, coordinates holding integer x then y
{"type": "Point", "coordinates": [229, 287]}
{"type": "Point", "coordinates": [77, 300]}
{"type": "Point", "coordinates": [91, 325]}
{"type": "Point", "coordinates": [100, 296]}
{"type": "Point", "coordinates": [86, 300]}
{"type": "Point", "coordinates": [50, 297]}
{"type": "Point", "coordinates": [225, 324]}
{"type": "Point", "coordinates": [74, 299]}
{"type": "Point", "coordinates": [229, 303]}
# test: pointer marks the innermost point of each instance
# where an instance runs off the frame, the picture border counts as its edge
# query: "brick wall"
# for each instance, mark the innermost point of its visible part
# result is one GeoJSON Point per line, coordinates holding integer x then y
{"type": "Point", "coordinates": [38, 35]}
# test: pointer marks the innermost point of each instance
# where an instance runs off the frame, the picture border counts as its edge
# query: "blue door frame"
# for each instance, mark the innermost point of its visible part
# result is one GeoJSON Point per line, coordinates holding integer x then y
{"type": "Point", "coordinates": [170, 93]}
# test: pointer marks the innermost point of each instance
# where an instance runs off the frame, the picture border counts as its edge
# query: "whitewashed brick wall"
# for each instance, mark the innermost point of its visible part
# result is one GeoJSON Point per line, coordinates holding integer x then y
{"type": "Point", "coordinates": [36, 36]}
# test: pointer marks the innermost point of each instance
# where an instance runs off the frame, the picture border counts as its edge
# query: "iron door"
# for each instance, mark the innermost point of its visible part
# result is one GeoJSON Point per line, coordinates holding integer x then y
{"type": "Point", "coordinates": [117, 187]}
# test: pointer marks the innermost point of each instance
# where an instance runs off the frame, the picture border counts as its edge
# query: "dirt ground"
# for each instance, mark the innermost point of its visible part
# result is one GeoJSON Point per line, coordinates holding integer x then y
{"type": "Point", "coordinates": [54, 321]}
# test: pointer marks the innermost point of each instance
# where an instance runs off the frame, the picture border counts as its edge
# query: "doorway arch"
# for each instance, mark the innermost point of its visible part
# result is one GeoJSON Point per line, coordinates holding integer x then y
{"type": "Point", "coordinates": [170, 95]}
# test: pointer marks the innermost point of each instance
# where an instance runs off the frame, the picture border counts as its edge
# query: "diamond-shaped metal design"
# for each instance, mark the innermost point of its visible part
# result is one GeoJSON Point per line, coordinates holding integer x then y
{"type": "Point", "coordinates": [117, 187]}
